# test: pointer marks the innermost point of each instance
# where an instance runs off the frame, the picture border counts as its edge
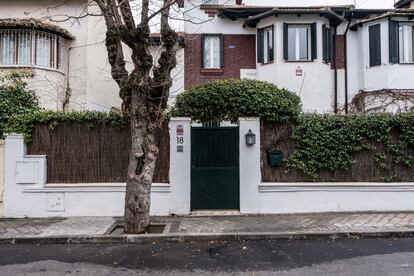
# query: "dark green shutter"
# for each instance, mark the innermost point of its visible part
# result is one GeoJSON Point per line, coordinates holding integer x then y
{"type": "Point", "coordinates": [329, 35]}
{"type": "Point", "coordinates": [221, 51]}
{"type": "Point", "coordinates": [202, 50]}
{"type": "Point", "coordinates": [324, 43]}
{"type": "Point", "coordinates": [260, 46]}
{"type": "Point", "coordinates": [314, 43]}
{"type": "Point", "coordinates": [285, 42]}
{"type": "Point", "coordinates": [394, 41]}
{"type": "Point", "coordinates": [375, 45]}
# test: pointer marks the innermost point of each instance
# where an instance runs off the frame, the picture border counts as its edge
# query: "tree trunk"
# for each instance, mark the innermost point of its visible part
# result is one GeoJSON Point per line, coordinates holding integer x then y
{"type": "Point", "coordinates": [143, 157]}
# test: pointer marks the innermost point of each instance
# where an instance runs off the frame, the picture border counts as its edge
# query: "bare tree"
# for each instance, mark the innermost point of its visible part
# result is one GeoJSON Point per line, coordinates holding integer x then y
{"type": "Point", "coordinates": [144, 92]}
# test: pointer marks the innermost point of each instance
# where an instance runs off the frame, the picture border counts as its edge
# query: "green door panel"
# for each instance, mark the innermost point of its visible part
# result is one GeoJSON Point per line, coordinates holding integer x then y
{"type": "Point", "coordinates": [215, 168]}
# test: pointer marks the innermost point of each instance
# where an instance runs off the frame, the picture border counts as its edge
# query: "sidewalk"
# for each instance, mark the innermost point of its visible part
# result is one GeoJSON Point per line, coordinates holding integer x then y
{"type": "Point", "coordinates": [97, 229]}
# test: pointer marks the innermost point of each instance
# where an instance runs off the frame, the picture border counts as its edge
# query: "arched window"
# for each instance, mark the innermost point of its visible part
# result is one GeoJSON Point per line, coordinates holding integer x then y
{"type": "Point", "coordinates": [31, 48]}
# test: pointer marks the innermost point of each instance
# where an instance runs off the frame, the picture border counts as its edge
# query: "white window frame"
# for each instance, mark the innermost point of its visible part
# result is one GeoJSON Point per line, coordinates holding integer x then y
{"type": "Point", "coordinates": [297, 41]}
{"type": "Point", "coordinates": [406, 42]}
{"type": "Point", "coordinates": [212, 52]}
{"type": "Point", "coordinates": [56, 48]}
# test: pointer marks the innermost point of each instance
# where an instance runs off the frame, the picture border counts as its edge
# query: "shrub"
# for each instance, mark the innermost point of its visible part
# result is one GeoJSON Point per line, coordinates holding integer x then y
{"type": "Point", "coordinates": [15, 99]}
{"type": "Point", "coordinates": [227, 100]}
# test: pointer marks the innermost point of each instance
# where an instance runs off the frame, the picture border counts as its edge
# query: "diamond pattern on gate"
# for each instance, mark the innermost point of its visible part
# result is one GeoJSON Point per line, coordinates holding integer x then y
{"type": "Point", "coordinates": [214, 189]}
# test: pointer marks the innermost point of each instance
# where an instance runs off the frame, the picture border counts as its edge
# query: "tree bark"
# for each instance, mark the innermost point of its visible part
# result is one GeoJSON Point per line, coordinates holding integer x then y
{"type": "Point", "coordinates": [144, 98]}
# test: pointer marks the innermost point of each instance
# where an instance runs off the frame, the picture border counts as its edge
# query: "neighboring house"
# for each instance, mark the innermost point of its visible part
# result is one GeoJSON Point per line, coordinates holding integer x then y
{"type": "Point", "coordinates": [337, 58]}
{"type": "Point", "coordinates": [66, 52]}
{"type": "Point", "coordinates": [327, 55]}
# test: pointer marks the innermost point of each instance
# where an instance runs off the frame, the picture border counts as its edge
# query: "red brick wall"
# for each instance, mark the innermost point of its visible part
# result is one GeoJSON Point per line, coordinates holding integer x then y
{"type": "Point", "coordinates": [340, 52]}
{"type": "Point", "coordinates": [241, 56]}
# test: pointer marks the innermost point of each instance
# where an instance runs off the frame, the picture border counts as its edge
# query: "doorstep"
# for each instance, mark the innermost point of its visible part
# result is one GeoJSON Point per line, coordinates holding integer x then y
{"type": "Point", "coordinates": [214, 213]}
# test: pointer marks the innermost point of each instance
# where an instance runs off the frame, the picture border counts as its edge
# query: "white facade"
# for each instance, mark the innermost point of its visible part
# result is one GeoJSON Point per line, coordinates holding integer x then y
{"type": "Point", "coordinates": [316, 82]}
{"type": "Point", "coordinates": [88, 74]}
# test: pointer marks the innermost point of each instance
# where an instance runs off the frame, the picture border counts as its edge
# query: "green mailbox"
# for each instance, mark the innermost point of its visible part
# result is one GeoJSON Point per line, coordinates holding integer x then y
{"type": "Point", "coordinates": [275, 157]}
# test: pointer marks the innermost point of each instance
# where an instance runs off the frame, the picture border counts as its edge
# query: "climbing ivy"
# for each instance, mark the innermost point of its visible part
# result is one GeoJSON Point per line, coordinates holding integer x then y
{"type": "Point", "coordinates": [329, 142]}
{"type": "Point", "coordinates": [24, 124]}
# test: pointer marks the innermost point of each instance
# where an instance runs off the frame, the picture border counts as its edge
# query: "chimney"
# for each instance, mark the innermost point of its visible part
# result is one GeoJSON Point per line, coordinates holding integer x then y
{"type": "Point", "coordinates": [412, 4]}
{"type": "Point", "coordinates": [239, 2]}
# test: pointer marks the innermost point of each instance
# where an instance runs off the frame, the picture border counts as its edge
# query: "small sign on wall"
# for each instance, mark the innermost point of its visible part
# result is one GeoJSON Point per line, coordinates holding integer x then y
{"type": "Point", "coordinates": [180, 138]}
{"type": "Point", "coordinates": [55, 202]}
{"type": "Point", "coordinates": [299, 72]}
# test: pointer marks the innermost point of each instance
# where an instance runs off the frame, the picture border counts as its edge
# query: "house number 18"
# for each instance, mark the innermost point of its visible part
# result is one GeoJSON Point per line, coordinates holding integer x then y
{"type": "Point", "coordinates": [180, 140]}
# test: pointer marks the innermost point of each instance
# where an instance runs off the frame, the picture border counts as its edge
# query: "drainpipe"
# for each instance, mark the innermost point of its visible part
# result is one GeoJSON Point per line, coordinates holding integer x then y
{"type": "Point", "coordinates": [336, 71]}
{"type": "Point", "coordinates": [346, 62]}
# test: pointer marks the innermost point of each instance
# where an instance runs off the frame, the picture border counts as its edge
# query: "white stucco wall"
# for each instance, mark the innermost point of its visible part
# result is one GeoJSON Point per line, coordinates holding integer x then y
{"type": "Point", "coordinates": [316, 85]}
{"type": "Point", "coordinates": [197, 21]}
{"type": "Point", "coordinates": [27, 193]}
{"type": "Point", "coordinates": [385, 76]}
{"type": "Point", "coordinates": [1, 176]}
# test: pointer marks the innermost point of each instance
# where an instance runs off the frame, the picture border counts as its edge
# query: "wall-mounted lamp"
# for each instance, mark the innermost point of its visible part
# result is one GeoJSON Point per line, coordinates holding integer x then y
{"type": "Point", "coordinates": [250, 138]}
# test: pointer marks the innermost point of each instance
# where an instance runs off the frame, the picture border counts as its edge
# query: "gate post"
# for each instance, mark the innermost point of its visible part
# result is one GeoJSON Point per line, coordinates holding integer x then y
{"type": "Point", "coordinates": [180, 165]}
{"type": "Point", "coordinates": [250, 174]}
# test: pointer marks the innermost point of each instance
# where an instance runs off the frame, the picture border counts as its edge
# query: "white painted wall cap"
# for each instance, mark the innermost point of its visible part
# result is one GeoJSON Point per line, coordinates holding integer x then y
{"type": "Point", "coordinates": [13, 136]}
{"type": "Point", "coordinates": [249, 119]}
{"type": "Point", "coordinates": [176, 119]}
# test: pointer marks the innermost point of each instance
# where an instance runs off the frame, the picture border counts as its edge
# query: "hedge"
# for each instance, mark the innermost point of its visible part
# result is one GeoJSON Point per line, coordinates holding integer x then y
{"type": "Point", "coordinates": [227, 100]}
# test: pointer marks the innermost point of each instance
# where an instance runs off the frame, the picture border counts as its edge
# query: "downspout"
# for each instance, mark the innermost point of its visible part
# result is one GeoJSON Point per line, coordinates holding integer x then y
{"type": "Point", "coordinates": [346, 62]}
{"type": "Point", "coordinates": [336, 71]}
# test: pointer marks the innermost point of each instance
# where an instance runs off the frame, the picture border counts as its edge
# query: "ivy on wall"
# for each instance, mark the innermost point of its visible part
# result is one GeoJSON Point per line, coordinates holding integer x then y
{"type": "Point", "coordinates": [24, 124]}
{"type": "Point", "coordinates": [328, 142]}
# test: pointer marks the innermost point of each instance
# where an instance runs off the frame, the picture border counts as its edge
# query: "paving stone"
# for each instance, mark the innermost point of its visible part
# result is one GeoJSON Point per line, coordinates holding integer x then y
{"type": "Point", "coordinates": [303, 223]}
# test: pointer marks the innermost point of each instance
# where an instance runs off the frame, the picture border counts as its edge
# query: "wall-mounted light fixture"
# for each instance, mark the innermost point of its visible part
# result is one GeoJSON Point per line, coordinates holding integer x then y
{"type": "Point", "coordinates": [250, 138]}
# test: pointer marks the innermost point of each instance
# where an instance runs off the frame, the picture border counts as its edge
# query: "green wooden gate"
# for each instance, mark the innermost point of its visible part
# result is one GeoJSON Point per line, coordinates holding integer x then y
{"type": "Point", "coordinates": [215, 168]}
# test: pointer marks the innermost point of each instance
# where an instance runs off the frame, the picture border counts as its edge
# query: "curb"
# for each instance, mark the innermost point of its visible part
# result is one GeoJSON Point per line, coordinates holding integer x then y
{"type": "Point", "coordinates": [171, 238]}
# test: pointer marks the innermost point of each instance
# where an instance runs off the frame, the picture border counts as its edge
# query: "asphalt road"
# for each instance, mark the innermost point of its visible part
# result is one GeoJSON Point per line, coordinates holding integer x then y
{"type": "Point", "coordinates": [307, 257]}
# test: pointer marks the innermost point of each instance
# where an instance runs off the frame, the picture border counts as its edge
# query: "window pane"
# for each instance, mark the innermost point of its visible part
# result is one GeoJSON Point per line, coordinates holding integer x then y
{"type": "Point", "coordinates": [292, 43]}
{"type": "Point", "coordinates": [23, 48]}
{"type": "Point", "coordinates": [212, 51]}
{"type": "Point", "coordinates": [43, 50]}
{"type": "Point", "coordinates": [401, 43]}
{"type": "Point", "coordinates": [8, 46]}
{"type": "Point", "coordinates": [303, 43]}
{"type": "Point", "coordinates": [268, 45]}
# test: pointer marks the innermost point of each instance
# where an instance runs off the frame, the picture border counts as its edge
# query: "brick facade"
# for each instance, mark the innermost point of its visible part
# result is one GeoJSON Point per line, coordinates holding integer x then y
{"type": "Point", "coordinates": [239, 53]}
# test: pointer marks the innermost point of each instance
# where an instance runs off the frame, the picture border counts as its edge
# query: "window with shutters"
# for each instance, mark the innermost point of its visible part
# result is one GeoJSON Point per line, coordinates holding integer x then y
{"type": "Point", "coordinates": [326, 44]}
{"type": "Point", "coordinates": [406, 42]}
{"type": "Point", "coordinates": [265, 45]}
{"type": "Point", "coordinates": [31, 48]}
{"type": "Point", "coordinates": [300, 42]}
{"type": "Point", "coordinates": [375, 45]}
{"type": "Point", "coordinates": [212, 51]}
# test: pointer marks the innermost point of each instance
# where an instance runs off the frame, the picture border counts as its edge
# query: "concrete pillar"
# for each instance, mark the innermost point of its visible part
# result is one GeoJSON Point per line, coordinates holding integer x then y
{"type": "Point", "coordinates": [250, 174]}
{"type": "Point", "coordinates": [180, 165]}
